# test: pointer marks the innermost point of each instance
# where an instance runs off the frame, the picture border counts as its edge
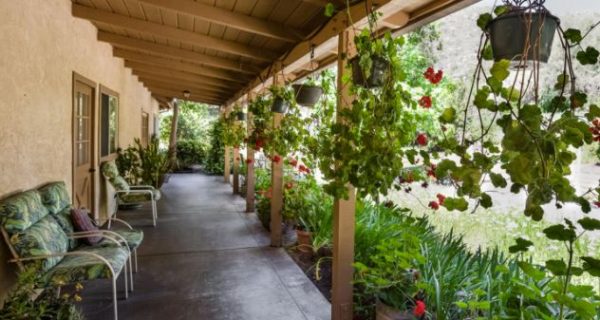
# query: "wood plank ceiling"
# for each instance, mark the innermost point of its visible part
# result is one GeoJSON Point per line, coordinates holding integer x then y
{"type": "Point", "coordinates": [218, 49]}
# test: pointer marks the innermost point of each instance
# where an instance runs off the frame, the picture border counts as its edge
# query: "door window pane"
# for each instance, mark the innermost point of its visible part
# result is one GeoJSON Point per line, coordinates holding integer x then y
{"type": "Point", "coordinates": [109, 124]}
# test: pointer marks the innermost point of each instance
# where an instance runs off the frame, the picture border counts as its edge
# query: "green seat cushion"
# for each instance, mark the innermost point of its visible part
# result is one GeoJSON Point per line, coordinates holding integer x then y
{"type": "Point", "coordinates": [44, 237]}
{"type": "Point", "coordinates": [78, 268]}
{"type": "Point", "coordinates": [138, 197]}
{"type": "Point", "coordinates": [55, 197]}
{"type": "Point", "coordinates": [63, 218]}
{"type": "Point", "coordinates": [133, 237]}
{"type": "Point", "coordinates": [111, 172]}
{"type": "Point", "coordinates": [21, 211]}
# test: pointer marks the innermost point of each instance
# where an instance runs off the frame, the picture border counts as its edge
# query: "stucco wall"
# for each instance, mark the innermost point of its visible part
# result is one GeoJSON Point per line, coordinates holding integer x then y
{"type": "Point", "coordinates": [42, 45]}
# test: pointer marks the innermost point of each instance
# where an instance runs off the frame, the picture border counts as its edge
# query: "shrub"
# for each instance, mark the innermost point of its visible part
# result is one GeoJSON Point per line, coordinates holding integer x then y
{"type": "Point", "coordinates": [190, 152]}
{"type": "Point", "coordinates": [215, 158]}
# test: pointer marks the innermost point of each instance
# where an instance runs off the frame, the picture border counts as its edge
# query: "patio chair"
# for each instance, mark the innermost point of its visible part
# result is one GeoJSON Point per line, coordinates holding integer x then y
{"type": "Point", "coordinates": [127, 194]}
{"type": "Point", "coordinates": [56, 199]}
{"type": "Point", "coordinates": [36, 240]}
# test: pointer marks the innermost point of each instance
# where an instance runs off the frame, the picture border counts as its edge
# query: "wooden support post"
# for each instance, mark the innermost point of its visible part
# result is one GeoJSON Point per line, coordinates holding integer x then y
{"type": "Point", "coordinates": [344, 210]}
{"type": "Point", "coordinates": [226, 169]}
{"type": "Point", "coordinates": [276, 182]}
{"type": "Point", "coordinates": [236, 170]}
{"type": "Point", "coordinates": [250, 178]}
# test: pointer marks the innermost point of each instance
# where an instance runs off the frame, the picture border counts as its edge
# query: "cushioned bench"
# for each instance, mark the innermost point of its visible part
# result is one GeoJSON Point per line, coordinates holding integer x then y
{"type": "Point", "coordinates": [41, 237]}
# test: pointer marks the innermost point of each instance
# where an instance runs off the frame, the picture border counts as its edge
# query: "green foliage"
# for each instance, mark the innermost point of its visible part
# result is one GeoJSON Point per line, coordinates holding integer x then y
{"type": "Point", "coordinates": [128, 164]}
{"type": "Point", "coordinates": [22, 304]}
{"type": "Point", "coordinates": [190, 152]}
{"type": "Point", "coordinates": [233, 131]}
{"type": "Point", "coordinates": [193, 122]}
{"type": "Point", "coordinates": [215, 159]}
{"type": "Point", "coordinates": [145, 165]}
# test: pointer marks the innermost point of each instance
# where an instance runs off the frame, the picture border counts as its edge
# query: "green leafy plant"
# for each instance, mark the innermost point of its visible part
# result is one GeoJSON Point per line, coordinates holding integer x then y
{"type": "Point", "coordinates": [190, 152]}
{"type": "Point", "coordinates": [233, 131]}
{"type": "Point", "coordinates": [284, 93]}
{"type": "Point", "coordinates": [154, 162]}
{"type": "Point", "coordinates": [215, 159]}
{"type": "Point", "coordinates": [128, 164]}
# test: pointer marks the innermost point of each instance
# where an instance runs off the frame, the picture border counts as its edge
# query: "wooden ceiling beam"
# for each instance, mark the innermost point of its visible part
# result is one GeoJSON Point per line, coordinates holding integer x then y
{"type": "Point", "coordinates": [176, 80]}
{"type": "Point", "coordinates": [193, 97]}
{"type": "Point", "coordinates": [172, 52]}
{"type": "Point", "coordinates": [195, 93]}
{"type": "Point", "coordinates": [181, 86]}
{"type": "Point", "coordinates": [174, 33]}
{"type": "Point", "coordinates": [230, 19]}
{"type": "Point", "coordinates": [133, 56]}
{"type": "Point", "coordinates": [137, 66]}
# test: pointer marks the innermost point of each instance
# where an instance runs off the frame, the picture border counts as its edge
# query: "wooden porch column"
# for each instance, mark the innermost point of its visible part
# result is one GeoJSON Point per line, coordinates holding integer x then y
{"type": "Point", "coordinates": [226, 168]}
{"type": "Point", "coordinates": [250, 178]}
{"type": "Point", "coordinates": [344, 210]}
{"type": "Point", "coordinates": [236, 170]}
{"type": "Point", "coordinates": [276, 181]}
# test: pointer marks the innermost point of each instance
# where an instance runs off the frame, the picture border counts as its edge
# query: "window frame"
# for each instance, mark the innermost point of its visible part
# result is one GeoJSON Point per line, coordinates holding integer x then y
{"type": "Point", "coordinates": [108, 92]}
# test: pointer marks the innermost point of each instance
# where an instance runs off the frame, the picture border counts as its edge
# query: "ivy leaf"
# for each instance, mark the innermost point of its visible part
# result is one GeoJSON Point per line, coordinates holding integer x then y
{"type": "Point", "coordinates": [448, 115]}
{"type": "Point", "coordinates": [486, 200]}
{"type": "Point", "coordinates": [531, 271]}
{"type": "Point", "coordinates": [589, 224]}
{"type": "Point", "coordinates": [573, 35]}
{"type": "Point", "coordinates": [483, 21]}
{"type": "Point", "coordinates": [534, 211]}
{"type": "Point", "coordinates": [588, 56]}
{"type": "Point", "coordinates": [578, 99]}
{"type": "Point", "coordinates": [329, 9]}
{"type": "Point", "coordinates": [557, 267]}
{"type": "Point", "coordinates": [459, 204]}
{"type": "Point", "coordinates": [500, 10]}
{"type": "Point", "coordinates": [522, 245]}
{"type": "Point", "coordinates": [498, 180]}
{"type": "Point", "coordinates": [500, 70]}
{"type": "Point", "coordinates": [561, 81]}
{"type": "Point", "coordinates": [593, 113]}
{"type": "Point", "coordinates": [582, 291]}
{"type": "Point", "coordinates": [559, 232]}
{"type": "Point", "coordinates": [487, 54]}
{"type": "Point", "coordinates": [591, 266]}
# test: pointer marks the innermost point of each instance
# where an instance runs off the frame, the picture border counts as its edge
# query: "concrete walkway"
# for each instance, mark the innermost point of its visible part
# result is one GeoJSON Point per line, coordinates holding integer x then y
{"type": "Point", "coordinates": [207, 259]}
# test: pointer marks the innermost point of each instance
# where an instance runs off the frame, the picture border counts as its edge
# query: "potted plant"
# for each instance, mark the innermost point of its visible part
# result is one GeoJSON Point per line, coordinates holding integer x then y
{"type": "Point", "coordinates": [238, 111]}
{"type": "Point", "coordinates": [282, 98]}
{"type": "Point", "coordinates": [308, 93]}
{"type": "Point", "coordinates": [522, 30]}
{"type": "Point", "coordinates": [369, 71]}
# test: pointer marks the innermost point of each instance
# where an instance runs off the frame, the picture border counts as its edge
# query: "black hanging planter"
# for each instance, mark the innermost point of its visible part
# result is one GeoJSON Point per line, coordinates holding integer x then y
{"type": "Point", "coordinates": [376, 78]}
{"type": "Point", "coordinates": [241, 116]}
{"type": "Point", "coordinates": [509, 33]}
{"type": "Point", "coordinates": [280, 105]}
{"type": "Point", "coordinates": [307, 95]}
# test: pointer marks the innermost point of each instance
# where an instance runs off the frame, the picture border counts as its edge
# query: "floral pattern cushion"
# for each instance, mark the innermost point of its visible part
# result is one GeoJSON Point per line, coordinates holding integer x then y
{"type": "Point", "coordinates": [63, 218]}
{"type": "Point", "coordinates": [21, 211]}
{"type": "Point", "coordinates": [55, 197]}
{"type": "Point", "coordinates": [120, 184]}
{"type": "Point", "coordinates": [77, 268]}
{"type": "Point", "coordinates": [133, 237]}
{"type": "Point", "coordinates": [111, 172]}
{"type": "Point", "coordinates": [139, 197]}
{"type": "Point", "coordinates": [44, 237]}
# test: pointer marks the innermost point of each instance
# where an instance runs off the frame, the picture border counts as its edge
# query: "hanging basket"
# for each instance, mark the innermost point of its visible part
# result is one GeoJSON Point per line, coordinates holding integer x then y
{"type": "Point", "coordinates": [377, 75]}
{"type": "Point", "coordinates": [307, 95]}
{"type": "Point", "coordinates": [511, 32]}
{"type": "Point", "coordinates": [280, 105]}
{"type": "Point", "coordinates": [241, 116]}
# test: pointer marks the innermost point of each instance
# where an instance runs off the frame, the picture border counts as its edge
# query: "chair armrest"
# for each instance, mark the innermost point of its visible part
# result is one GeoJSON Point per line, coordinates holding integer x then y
{"type": "Point", "coordinates": [123, 222]}
{"type": "Point", "coordinates": [105, 234]}
{"type": "Point", "coordinates": [150, 192]}
{"type": "Point", "coordinates": [147, 187]}
{"type": "Point", "coordinates": [64, 254]}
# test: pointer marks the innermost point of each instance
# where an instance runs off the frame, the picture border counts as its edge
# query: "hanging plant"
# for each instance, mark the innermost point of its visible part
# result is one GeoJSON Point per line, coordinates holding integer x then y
{"type": "Point", "coordinates": [290, 135]}
{"type": "Point", "coordinates": [283, 97]}
{"type": "Point", "coordinates": [238, 111]}
{"type": "Point", "coordinates": [262, 119]}
{"type": "Point", "coordinates": [521, 31]}
{"type": "Point", "coordinates": [308, 93]}
{"type": "Point", "coordinates": [234, 132]}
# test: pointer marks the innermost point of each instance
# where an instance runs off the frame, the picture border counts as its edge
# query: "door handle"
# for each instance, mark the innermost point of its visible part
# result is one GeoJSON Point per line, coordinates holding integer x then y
{"type": "Point", "coordinates": [92, 170]}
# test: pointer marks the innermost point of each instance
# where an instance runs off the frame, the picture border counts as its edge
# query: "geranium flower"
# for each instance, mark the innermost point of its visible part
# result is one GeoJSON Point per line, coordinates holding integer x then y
{"type": "Point", "coordinates": [433, 76]}
{"type": "Point", "coordinates": [595, 129]}
{"type": "Point", "coordinates": [420, 308]}
{"type": "Point", "coordinates": [434, 205]}
{"type": "Point", "coordinates": [431, 171]}
{"type": "Point", "coordinates": [289, 185]}
{"type": "Point", "coordinates": [293, 162]}
{"type": "Point", "coordinates": [422, 139]}
{"type": "Point", "coordinates": [441, 198]}
{"type": "Point", "coordinates": [597, 203]}
{"type": "Point", "coordinates": [248, 161]}
{"type": "Point", "coordinates": [425, 102]}
{"type": "Point", "coordinates": [276, 158]}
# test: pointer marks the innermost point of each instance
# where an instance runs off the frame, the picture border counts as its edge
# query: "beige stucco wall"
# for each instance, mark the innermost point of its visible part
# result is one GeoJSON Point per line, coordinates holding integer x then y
{"type": "Point", "coordinates": [42, 45]}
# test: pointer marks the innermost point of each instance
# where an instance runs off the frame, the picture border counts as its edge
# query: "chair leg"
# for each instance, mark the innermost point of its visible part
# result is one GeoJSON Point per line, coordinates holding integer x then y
{"type": "Point", "coordinates": [135, 259]}
{"type": "Point", "coordinates": [126, 277]}
{"type": "Point", "coordinates": [154, 215]}
{"type": "Point", "coordinates": [130, 274]}
{"type": "Point", "coordinates": [114, 283]}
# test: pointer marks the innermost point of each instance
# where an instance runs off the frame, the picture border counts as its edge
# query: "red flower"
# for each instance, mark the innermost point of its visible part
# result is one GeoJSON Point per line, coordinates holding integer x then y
{"type": "Point", "coordinates": [597, 203]}
{"type": "Point", "coordinates": [431, 171]}
{"type": "Point", "coordinates": [293, 162]}
{"type": "Point", "coordinates": [441, 198]}
{"type": "Point", "coordinates": [289, 185]}
{"type": "Point", "coordinates": [276, 158]}
{"type": "Point", "coordinates": [237, 159]}
{"type": "Point", "coordinates": [595, 129]}
{"type": "Point", "coordinates": [422, 139]}
{"type": "Point", "coordinates": [419, 310]}
{"type": "Point", "coordinates": [434, 205]}
{"type": "Point", "coordinates": [432, 76]}
{"type": "Point", "coordinates": [425, 102]}
{"type": "Point", "coordinates": [248, 161]}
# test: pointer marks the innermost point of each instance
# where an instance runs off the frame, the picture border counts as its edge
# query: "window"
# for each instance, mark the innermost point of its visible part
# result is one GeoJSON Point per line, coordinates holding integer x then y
{"type": "Point", "coordinates": [109, 122]}
{"type": "Point", "coordinates": [145, 128]}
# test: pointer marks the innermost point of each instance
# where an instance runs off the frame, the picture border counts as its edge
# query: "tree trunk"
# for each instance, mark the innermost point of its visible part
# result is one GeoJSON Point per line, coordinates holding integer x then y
{"type": "Point", "coordinates": [173, 138]}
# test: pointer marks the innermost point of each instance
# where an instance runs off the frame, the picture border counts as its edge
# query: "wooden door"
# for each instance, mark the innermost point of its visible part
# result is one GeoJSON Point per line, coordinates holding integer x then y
{"type": "Point", "coordinates": [83, 143]}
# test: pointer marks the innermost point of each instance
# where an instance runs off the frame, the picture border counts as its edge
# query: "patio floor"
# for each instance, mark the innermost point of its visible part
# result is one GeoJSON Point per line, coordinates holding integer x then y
{"type": "Point", "coordinates": [208, 259]}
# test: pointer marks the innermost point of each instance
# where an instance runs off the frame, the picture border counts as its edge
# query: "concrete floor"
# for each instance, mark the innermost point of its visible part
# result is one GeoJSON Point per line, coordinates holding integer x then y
{"type": "Point", "coordinates": [207, 259]}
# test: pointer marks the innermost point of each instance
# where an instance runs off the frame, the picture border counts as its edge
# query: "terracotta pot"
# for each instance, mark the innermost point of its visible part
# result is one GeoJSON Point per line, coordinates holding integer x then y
{"type": "Point", "coordinates": [385, 312]}
{"type": "Point", "coordinates": [304, 240]}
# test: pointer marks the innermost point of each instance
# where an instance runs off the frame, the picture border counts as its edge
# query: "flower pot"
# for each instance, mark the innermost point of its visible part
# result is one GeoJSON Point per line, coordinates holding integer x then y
{"type": "Point", "coordinates": [307, 95]}
{"type": "Point", "coordinates": [376, 76]}
{"type": "Point", "coordinates": [304, 240]}
{"type": "Point", "coordinates": [385, 312]}
{"type": "Point", "coordinates": [509, 34]}
{"type": "Point", "coordinates": [241, 116]}
{"type": "Point", "coordinates": [280, 105]}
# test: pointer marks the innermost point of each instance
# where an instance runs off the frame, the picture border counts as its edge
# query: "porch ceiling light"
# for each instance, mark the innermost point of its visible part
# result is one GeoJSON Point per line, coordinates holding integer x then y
{"type": "Point", "coordinates": [186, 93]}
